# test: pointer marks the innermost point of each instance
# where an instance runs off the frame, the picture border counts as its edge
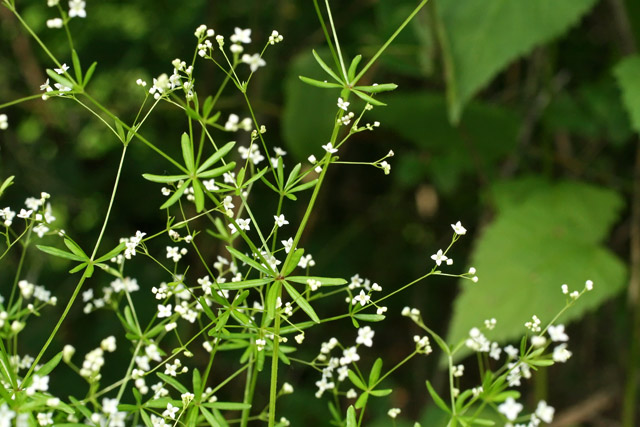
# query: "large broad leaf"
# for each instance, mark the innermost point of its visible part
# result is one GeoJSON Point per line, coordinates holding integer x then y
{"type": "Point", "coordinates": [628, 74]}
{"type": "Point", "coordinates": [309, 112]}
{"type": "Point", "coordinates": [487, 134]}
{"type": "Point", "coordinates": [544, 235]}
{"type": "Point", "coordinates": [480, 37]}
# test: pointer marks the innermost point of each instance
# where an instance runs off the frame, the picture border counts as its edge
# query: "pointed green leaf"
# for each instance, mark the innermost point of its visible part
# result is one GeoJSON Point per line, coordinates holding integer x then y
{"type": "Point", "coordinates": [112, 253]}
{"type": "Point", "coordinates": [59, 253]}
{"type": "Point", "coordinates": [356, 380]}
{"type": "Point", "coordinates": [244, 284]}
{"type": "Point", "coordinates": [368, 98]}
{"type": "Point", "coordinates": [73, 247]}
{"type": "Point", "coordinates": [384, 87]}
{"type": "Point", "coordinates": [212, 173]}
{"type": "Point", "coordinates": [59, 79]}
{"type": "Point", "coordinates": [198, 195]}
{"type": "Point", "coordinates": [326, 68]}
{"type": "Point", "coordinates": [302, 187]}
{"type": "Point", "coordinates": [163, 179]}
{"type": "Point", "coordinates": [362, 400]}
{"type": "Point", "coordinates": [78, 268]}
{"type": "Point", "coordinates": [351, 417]}
{"type": "Point", "coordinates": [77, 69]}
{"type": "Point", "coordinates": [293, 175]}
{"type": "Point", "coordinates": [6, 184]}
{"type": "Point", "coordinates": [381, 393]}
{"type": "Point", "coordinates": [375, 372]}
{"type": "Point", "coordinates": [172, 382]}
{"type": "Point", "coordinates": [369, 317]}
{"type": "Point", "coordinates": [318, 83]}
{"type": "Point", "coordinates": [302, 303]}
{"type": "Point", "coordinates": [326, 281]}
{"type": "Point", "coordinates": [175, 196]}
{"type": "Point", "coordinates": [292, 262]}
{"type": "Point", "coordinates": [437, 399]}
{"type": "Point", "coordinates": [272, 299]}
{"type": "Point", "coordinates": [187, 152]}
{"type": "Point", "coordinates": [223, 151]}
{"type": "Point", "coordinates": [249, 261]}
{"type": "Point", "coordinates": [50, 365]}
{"type": "Point", "coordinates": [351, 73]}
{"type": "Point", "coordinates": [89, 74]}
{"type": "Point", "coordinates": [120, 130]}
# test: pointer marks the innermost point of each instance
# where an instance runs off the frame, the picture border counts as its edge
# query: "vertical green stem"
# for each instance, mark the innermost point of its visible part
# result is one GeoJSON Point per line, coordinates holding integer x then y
{"type": "Point", "coordinates": [273, 392]}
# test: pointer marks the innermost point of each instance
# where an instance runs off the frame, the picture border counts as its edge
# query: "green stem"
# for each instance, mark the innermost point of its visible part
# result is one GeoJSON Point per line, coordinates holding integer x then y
{"type": "Point", "coordinates": [388, 42]}
{"type": "Point", "coordinates": [273, 391]}
{"type": "Point", "coordinates": [249, 391]}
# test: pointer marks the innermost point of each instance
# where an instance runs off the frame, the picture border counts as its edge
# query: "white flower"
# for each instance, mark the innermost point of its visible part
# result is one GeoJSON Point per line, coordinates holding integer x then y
{"type": "Point", "coordinates": [4, 121]}
{"type": "Point", "coordinates": [365, 336]}
{"type": "Point", "coordinates": [439, 257]}
{"type": "Point", "coordinates": [287, 244]}
{"type": "Point", "coordinates": [545, 412]}
{"type": "Point", "coordinates": [459, 229]}
{"type": "Point", "coordinates": [361, 298]}
{"type": "Point", "coordinates": [170, 411]}
{"type": "Point", "coordinates": [280, 220]}
{"type": "Point", "coordinates": [76, 8]}
{"type": "Point", "coordinates": [393, 412]}
{"type": "Point", "coordinates": [241, 36]}
{"type": "Point", "coordinates": [328, 147]}
{"type": "Point", "coordinates": [63, 69]}
{"type": "Point", "coordinates": [557, 333]}
{"type": "Point", "coordinates": [510, 408]}
{"type": "Point", "coordinates": [386, 167]}
{"type": "Point", "coordinates": [343, 104]}
{"type": "Point", "coordinates": [588, 285]}
{"type": "Point", "coordinates": [561, 354]}
{"type": "Point", "coordinates": [254, 61]}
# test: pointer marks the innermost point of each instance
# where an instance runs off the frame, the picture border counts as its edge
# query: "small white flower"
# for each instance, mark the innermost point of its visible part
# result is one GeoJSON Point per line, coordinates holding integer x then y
{"type": "Point", "coordinates": [4, 121]}
{"type": "Point", "coordinates": [557, 333]}
{"type": "Point", "coordinates": [393, 412]}
{"type": "Point", "coordinates": [365, 336]}
{"type": "Point", "coordinates": [361, 298]}
{"type": "Point", "coordinates": [588, 285]}
{"type": "Point", "coordinates": [510, 408]}
{"type": "Point", "coordinates": [287, 244]}
{"type": "Point", "coordinates": [328, 147]}
{"type": "Point", "coordinates": [63, 69]}
{"type": "Point", "coordinates": [545, 412]}
{"type": "Point", "coordinates": [439, 257]}
{"type": "Point", "coordinates": [254, 61]}
{"type": "Point", "coordinates": [343, 104]}
{"type": "Point", "coordinates": [241, 36]}
{"type": "Point", "coordinates": [280, 220]}
{"type": "Point", "coordinates": [76, 8]}
{"type": "Point", "coordinates": [459, 229]}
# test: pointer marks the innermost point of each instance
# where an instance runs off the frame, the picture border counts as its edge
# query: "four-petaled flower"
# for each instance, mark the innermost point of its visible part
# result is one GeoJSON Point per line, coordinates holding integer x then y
{"type": "Point", "coordinates": [510, 408]}
{"type": "Point", "coordinates": [280, 220]}
{"type": "Point", "coordinates": [439, 257]}
{"type": "Point", "coordinates": [241, 36]}
{"type": "Point", "coordinates": [170, 411]}
{"type": "Point", "coordinates": [343, 104]}
{"type": "Point", "coordinates": [361, 298]}
{"type": "Point", "coordinates": [254, 61]}
{"type": "Point", "coordinates": [328, 147]}
{"type": "Point", "coordinates": [458, 228]}
{"type": "Point", "coordinates": [76, 8]}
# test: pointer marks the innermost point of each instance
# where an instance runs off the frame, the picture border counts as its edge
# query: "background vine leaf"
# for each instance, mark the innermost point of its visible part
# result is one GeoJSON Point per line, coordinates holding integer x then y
{"type": "Point", "coordinates": [479, 38]}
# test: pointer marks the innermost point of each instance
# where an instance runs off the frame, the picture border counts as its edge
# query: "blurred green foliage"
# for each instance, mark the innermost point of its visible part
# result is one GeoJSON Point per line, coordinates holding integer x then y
{"type": "Point", "coordinates": [535, 160]}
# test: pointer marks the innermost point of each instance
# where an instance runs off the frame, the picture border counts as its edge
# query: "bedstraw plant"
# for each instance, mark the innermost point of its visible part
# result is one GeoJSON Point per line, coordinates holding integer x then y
{"type": "Point", "coordinates": [257, 299]}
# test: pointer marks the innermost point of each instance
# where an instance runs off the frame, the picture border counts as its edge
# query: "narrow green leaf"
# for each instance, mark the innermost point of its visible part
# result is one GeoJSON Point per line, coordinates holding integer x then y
{"type": "Point", "coordinates": [437, 399]}
{"type": "Point", "coordinates": [112, 253]}
{"type": "Point", "coordinates": [223, 151]}
{"type": "Point", "coordinates": [384, 87]}
{"type": "Point", "coordinates": [318, 83]}
{"type": "Point", "coordinates": [326, 68]}
{"type": "Point", "coordinates": [59, 79]}
{"type": "Point", "coordinates": [293, 175]}
{"type": "Point", "coordinates": [89, 74]}
{"type": "Point", "coordinates": [369, 317]}
{"type": "Point", "coordinates": [302, 187]}
{"type": "Point", "coordinates": [217, 171]}
{"type": "Point", "coordinates": [272, 299]}
{"type": "Point", "coordinates": [244, 258]}
{"type": "Point", "coordinates": [362, 400]}
{"type": "Point", "coordinates": [175, 196]}
{"type": "Point", "coordinates": [187, 152]}
{"type": "Point", "coordinates": [6, 184]}
{"type": "Point", "coordinates": [120, 130]}
{"type": "Point", "coordinates": [381, 393]}
{"type": "Point", "coordinates": [59, 253]}
{"type": "Point", "coordinates": [77, 69]}
{"type": "Point", "coordinates": [356, 380]}
{"type": "Point", "coordinates": [375, 372]}
{"type": "Point", "coordinates": [351, 417]}
{"type": "Point", "coordinates": [302, 303]}
{"type": "Point", "coordinates": [73, 247]}
{"type": "Point", "coordinates": [256, 176]}
{"type": "Point", "coordinates": [163, 179]}
{"type": "Point", "coordinates": [351, 73]}
{"type": "Point", "coordinates": [198, 195]}
{"type": "Point", "coordinates": [207, 106]}
{"type": "Point", "coordinates": [78, 268]}
{"type": "Point", "coordinates": [368, 98]}
{"type": "Point", "coordinates": [227, 406]}
{"type": "Point", "coordinates": [244, 284]}
{"type": "Point", "coordinates": [207, 310]}
{"type": "Point", "coordinates": [326, 281]}
{"type": "Point", "coordinates": [292, 262]}
{"type": "Point", "coordinates": [173, 382]}
{"type": "Point", "coordinates": [50, 365]}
